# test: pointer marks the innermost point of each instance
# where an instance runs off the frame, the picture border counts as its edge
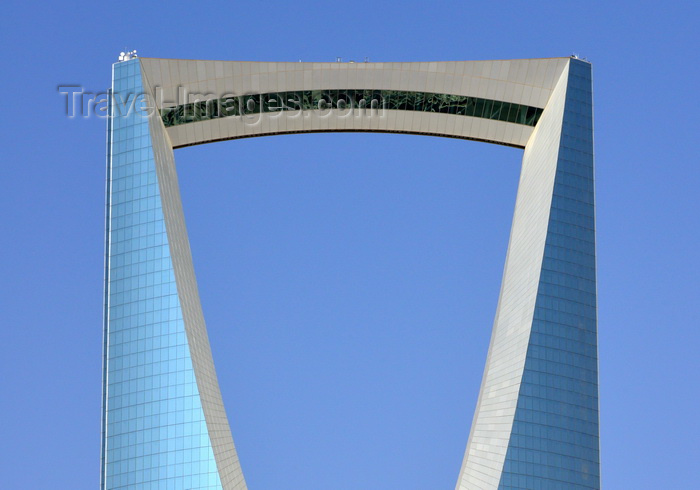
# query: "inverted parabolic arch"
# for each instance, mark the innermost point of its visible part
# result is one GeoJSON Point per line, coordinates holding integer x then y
{"type": "Point", "coordinates": [536, 420]}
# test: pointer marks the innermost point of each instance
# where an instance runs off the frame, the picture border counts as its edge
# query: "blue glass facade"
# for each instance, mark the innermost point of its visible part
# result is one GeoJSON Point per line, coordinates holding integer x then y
{"type": "Point", "coordinates": [154, 432]}
{"type": "Point", "coordinates": [554, 442]}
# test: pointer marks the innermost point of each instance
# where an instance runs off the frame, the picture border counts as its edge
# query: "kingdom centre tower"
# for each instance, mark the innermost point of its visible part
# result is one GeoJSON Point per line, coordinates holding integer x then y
{"type": "Point", "coordinates": [535, 425]}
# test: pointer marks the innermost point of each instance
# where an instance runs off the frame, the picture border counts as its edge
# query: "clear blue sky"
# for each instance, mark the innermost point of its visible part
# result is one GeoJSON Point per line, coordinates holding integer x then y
{"type": "Point", "coordinates": [349, 281]}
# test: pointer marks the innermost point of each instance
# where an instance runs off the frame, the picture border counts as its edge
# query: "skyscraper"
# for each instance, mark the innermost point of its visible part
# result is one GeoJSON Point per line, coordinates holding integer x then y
{"type": "Point", "coordinates": [536, 420]}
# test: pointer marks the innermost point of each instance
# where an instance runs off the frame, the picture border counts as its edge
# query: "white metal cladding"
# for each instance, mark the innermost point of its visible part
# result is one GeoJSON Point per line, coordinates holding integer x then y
{"type": "Point", "coordinates": [539, 83]}
{"type": "Point", "coordinates": [498, 397]}
{"type": "Point", "coordinates": [527, 82]}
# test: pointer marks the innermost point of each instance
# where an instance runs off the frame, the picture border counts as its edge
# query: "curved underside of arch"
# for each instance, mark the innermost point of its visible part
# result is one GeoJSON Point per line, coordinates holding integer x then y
{"type": "Point", "coordinates": [536, 420]}
{"type": "Point", "coordinates": [384, 131]}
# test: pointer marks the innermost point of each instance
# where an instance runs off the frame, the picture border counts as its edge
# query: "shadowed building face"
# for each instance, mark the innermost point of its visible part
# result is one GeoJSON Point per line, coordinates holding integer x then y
{"type": "Point", "coordinates": [536, 420]}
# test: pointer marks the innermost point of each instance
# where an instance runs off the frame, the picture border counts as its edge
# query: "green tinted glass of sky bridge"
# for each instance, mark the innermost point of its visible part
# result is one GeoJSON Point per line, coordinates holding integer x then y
{"type": "Point", "coordinates": [350, 99]}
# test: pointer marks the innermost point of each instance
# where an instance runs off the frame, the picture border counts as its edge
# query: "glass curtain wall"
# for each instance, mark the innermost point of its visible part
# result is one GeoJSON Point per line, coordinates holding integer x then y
{"type": "Point", "coordinates": [154, 435]}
